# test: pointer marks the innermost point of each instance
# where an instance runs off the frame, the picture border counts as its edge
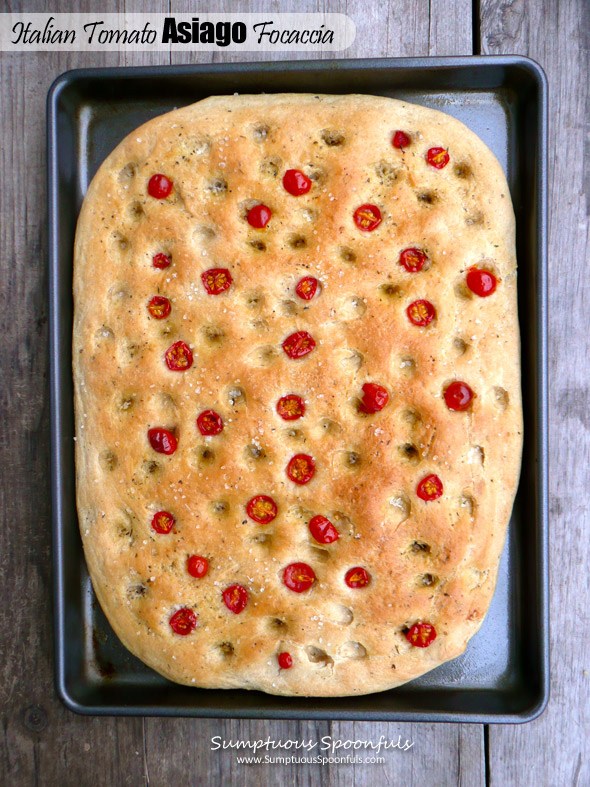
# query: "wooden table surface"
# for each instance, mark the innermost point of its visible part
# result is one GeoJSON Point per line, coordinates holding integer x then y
{"type": "Point", "coordinates": [42, 742]}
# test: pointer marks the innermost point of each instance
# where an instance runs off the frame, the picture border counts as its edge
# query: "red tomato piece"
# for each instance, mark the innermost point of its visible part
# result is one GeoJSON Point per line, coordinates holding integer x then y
{"type": "Point", "coordinates": [296, 182]}
{"type": "Point", "coordinates": [161, 261]}
{"type": "Point", "coordinates": [162, 440]}
{"type": "Point", "coordinates": [357, 577]}
{"type": "Point", "coordinates": [163, 522]}
{"type": "Point", "coordinates": [298, 577]}
{"type": "Point", "coordinates": [183, 621]}
{"type": "Point", "coordinates": [374, 398]}
{"type": "Point", "coordinates": [421, 635]}
{"type": "Point", "coordinates": [235, 598]}
{"type": "Point", "coordinates": [209, 423]}
{"type": "Point", "coordinates": [437, 158]}
{"type": "Point", "coordinates": [285, 660]}
{"type": "Point", "coordinates": [307, 288]}
{"type": "Point", "coordinates": [413, 260]}
{"type": "Point", "coordinates": [323, 530]}
{"type": "Point", "coordinates": [197, 566]}
{"type": "Point", "coordinates": [299, 344]}
{"type": "Point", "coordinates": [179, 357]}
{"type": "Point", "coordinates": [216, 280]}
{"type": "Point", "coordinates": [291, 407]}
{"type": "Point", "coordinates": [400, 140]}
{"type": "Point", "coordinates": [259, 216]}
{"type": "Point", "coordinates": [159, 186]}
{"type": "Point", "coordinates": [367, 217]}
{"type": "Point", "coordinates": [458, 396]}
{"type": "Point", "coordinates": [261, 509]}
{"type": "Point", "coordinates": [482, 283]}
{"type": "Point", "coordinates": [301, 468]}
{"type": "Point", "coordinates": [159, 307]}
{"type": "Point", "coordinates": [421, 313]}
{"type": "Point", "coordinates": [429, 488]}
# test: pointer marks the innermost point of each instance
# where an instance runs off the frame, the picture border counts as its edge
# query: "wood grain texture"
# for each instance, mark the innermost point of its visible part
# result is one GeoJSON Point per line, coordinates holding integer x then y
{"type": "Point", "coordinates": [42, 742]}
{"type": "Point", "coordinates": [400, 30]}
{"type": "Point", "coordinates": [553, 750]}
{"type": "Point", "coordinates": [450, 29]}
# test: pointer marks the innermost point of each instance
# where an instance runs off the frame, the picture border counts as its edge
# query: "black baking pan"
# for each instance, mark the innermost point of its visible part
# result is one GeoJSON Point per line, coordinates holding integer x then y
{"type": "Point", "coordinates": [504, 673]}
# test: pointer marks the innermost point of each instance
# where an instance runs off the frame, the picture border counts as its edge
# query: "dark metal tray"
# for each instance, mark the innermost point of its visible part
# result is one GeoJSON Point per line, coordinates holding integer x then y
{"type": "Point", "coordinates": [504, 673]}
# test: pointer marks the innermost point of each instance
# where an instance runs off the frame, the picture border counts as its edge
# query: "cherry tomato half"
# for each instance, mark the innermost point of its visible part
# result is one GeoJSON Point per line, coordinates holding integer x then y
{"type": "Point", "coordinates": [421, 635]}
{"type": "Point", "coordinates": [159, 186]}
{"type": "Point", "coordinates": [298, 577]}
{"type": "Point", "coordinates": [183, 621]}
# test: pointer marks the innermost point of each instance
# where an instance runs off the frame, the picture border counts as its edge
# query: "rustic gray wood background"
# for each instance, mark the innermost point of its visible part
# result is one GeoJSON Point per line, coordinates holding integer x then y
{"type": "Point", "coordinates": [42, 742]}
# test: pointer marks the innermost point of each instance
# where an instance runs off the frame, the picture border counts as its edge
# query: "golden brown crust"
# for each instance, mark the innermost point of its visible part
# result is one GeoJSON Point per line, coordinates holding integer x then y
{"type": "Point", "coordinates": [433, 561]}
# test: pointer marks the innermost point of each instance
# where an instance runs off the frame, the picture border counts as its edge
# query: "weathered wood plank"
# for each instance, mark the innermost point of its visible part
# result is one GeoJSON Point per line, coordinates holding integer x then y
{"type": "Point", "coordinates": [393, 30]}
{"type": "Point", "coordinates": [450, 30]}
{"type": "Point", "coordinates": [40, 735]}
{"type": "Point", "coordinates": [42, 742]}
{"type": "Point", "coordinates": [553, 750]}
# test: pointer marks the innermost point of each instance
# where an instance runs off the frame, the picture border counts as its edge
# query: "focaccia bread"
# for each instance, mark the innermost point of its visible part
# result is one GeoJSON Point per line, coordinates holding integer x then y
{"type": "Point", "coordinates": [297, 390]}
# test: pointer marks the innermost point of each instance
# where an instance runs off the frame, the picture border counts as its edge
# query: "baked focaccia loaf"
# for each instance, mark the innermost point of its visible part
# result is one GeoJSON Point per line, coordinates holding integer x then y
{"type": "Point", "coordinates": [297, 390]}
